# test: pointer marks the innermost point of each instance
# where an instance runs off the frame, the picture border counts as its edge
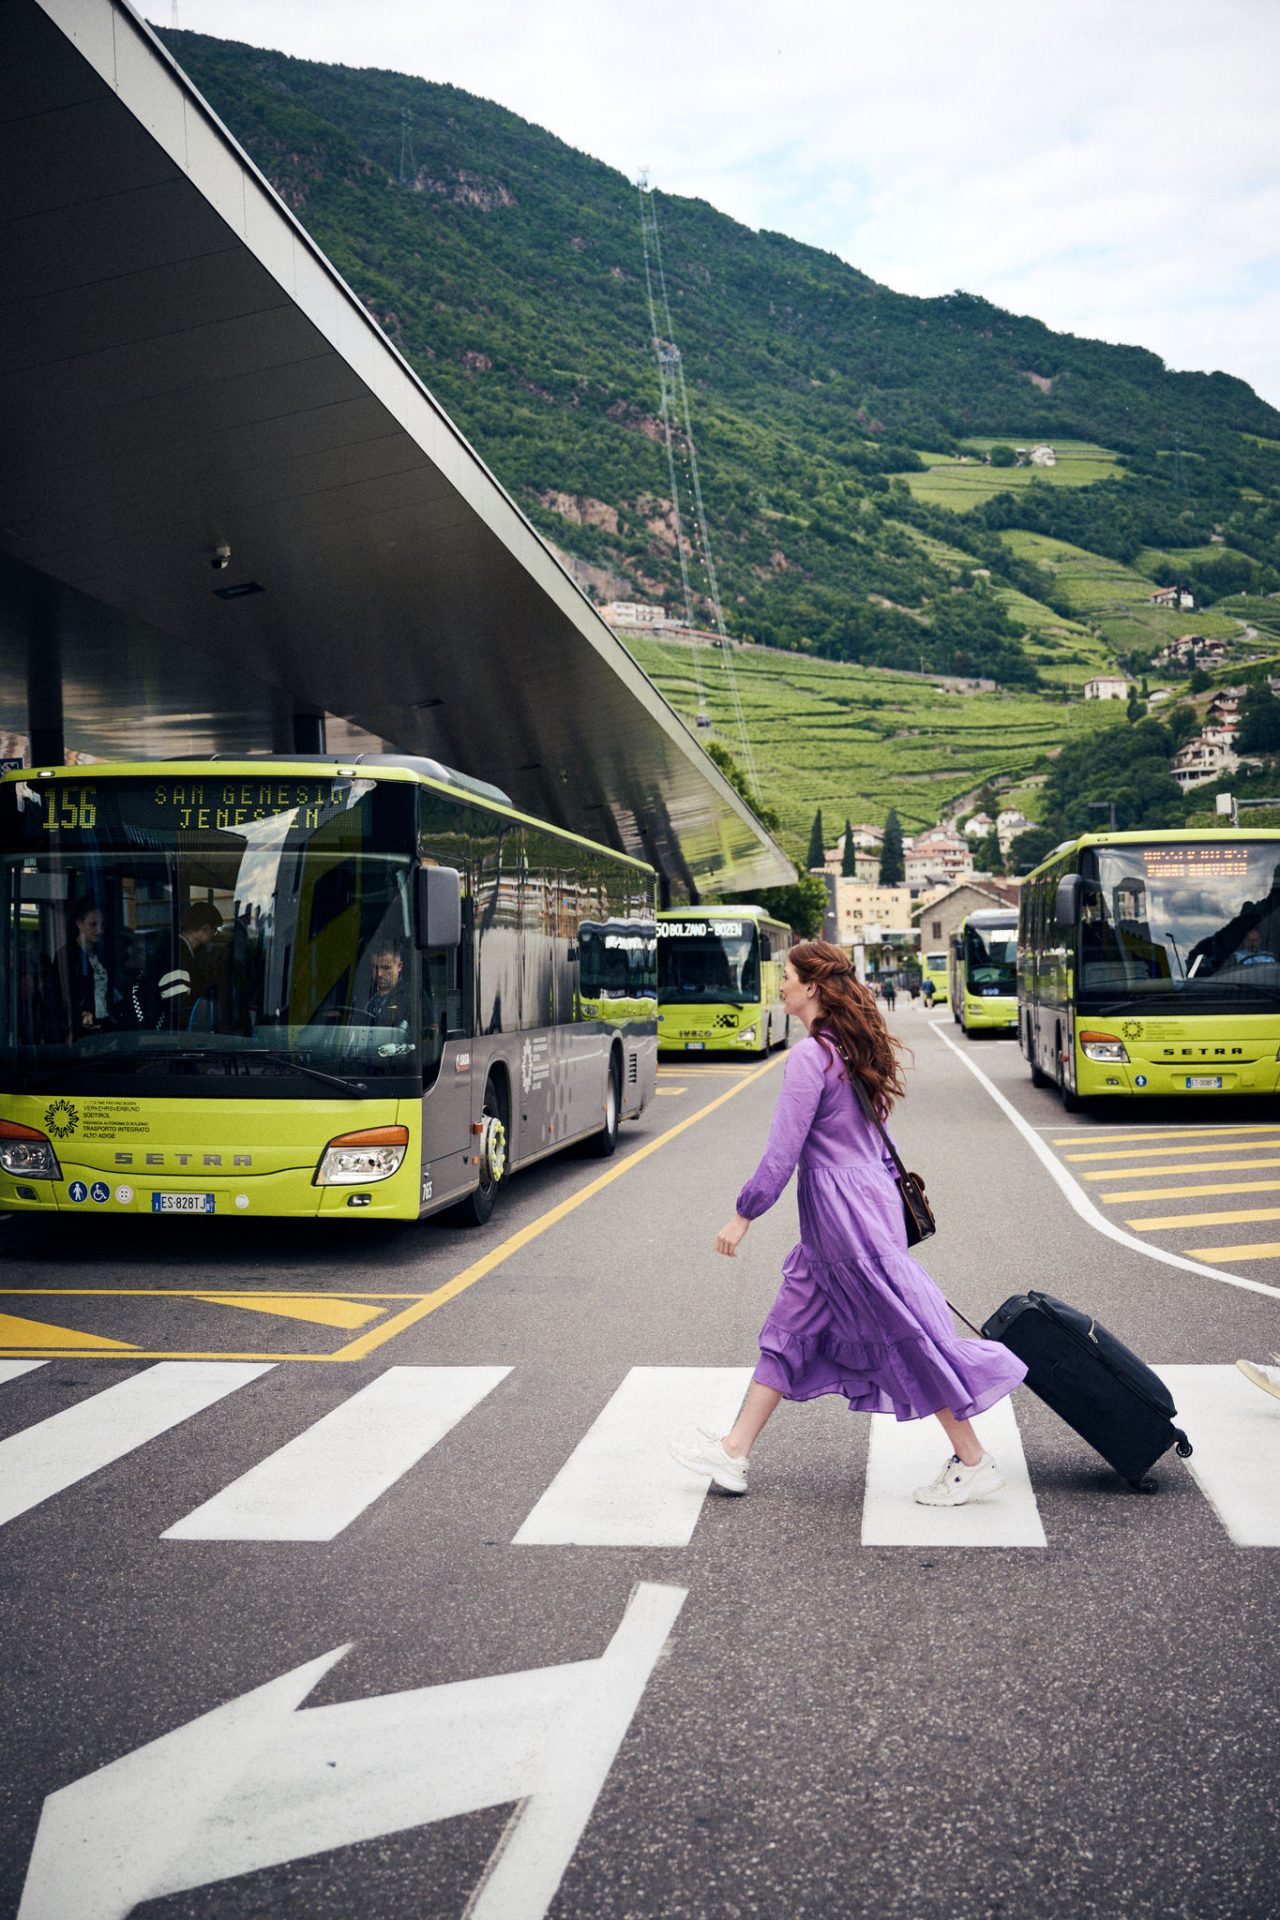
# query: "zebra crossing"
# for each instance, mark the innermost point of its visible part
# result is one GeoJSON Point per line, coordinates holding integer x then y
{"type": "Point", "coordinates": [618, 1487]}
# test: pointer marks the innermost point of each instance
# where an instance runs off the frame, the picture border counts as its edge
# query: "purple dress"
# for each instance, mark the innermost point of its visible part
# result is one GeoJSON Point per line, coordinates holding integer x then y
{"type": "Point", "coordinates": [855, 1314]}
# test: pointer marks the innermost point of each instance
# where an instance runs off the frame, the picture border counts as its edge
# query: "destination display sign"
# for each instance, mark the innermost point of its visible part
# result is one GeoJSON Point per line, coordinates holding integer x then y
{"type": "Point", "coordinates": [183, 806]}
{"type": "Point", "coordinates": [1195, 863]}
{"type": "Point", "coordinates": [700, 929]}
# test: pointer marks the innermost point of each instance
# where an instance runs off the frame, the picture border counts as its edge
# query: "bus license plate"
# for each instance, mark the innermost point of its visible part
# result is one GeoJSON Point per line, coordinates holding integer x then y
{"type": "Point", "coordinates": [1203, 1081]}
{"type": "Point", "coordinates": [695, 1046]}
{"type": "Point", "coordinates": [182, 1203]}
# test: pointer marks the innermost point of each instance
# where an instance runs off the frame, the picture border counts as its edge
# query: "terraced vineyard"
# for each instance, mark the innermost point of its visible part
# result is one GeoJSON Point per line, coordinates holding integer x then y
{"type": "Point", "coordinates": [959, 484]}
{"type": "Point", "coordinates": [1117, 598]}
{"type": "Point", "coordinates": [855, 741]}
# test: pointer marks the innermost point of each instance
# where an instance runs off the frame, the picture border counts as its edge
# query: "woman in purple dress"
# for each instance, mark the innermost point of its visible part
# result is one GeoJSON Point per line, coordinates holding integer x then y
{"type": "Point", "coordinates": [855, 1314]}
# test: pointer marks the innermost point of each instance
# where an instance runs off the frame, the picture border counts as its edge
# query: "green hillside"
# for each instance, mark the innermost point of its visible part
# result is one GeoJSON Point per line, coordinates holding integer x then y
{"type": "Point", "coordinates": [853, 443]}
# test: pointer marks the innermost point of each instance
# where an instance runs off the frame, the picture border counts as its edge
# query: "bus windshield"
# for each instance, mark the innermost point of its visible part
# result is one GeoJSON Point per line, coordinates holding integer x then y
{"type": "Point", "coordinates": [709, 961]}
{"type": "Point", "coordinates": [991, 959]}
{"type": "Point", "coordinates": [1199, 921]}
{"type": "Point", "coordinates": [213, 928]}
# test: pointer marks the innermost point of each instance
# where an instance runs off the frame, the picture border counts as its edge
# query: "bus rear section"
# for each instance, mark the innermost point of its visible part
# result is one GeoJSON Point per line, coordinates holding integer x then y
{"type": "Point", "coordinates": [306, 989]}
{"type": "Point", "coordinates": [934, 968]}
{"type": "Point", "coordinates": [1150, 966]}
{"type": "Point", "coordinates": [984, 972]}
{"type": "Point", "coordinates": [720, 980]}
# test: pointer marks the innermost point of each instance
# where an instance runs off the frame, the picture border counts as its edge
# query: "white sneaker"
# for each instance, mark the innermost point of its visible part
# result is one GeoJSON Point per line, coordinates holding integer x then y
{"type": "Point", "coordinates": [1268, 1378]}
{"type": "Point", "coordinates": [957, 1484]}
{"type": "Point", "coordinates": [702, 1451]}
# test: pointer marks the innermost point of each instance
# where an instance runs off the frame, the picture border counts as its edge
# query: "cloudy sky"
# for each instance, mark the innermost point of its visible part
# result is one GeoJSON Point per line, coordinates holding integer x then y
{"type": "Point", "coordinates": [1111, 166]}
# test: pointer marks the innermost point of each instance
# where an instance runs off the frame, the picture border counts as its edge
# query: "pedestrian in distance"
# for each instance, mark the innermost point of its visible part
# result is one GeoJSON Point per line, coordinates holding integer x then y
{"type": "Point", "coordinates": [928, 996]}
{"type": "Point", "coordinates": [890, 995]}
{"type": "Point", "coordinates": [855, 1314]}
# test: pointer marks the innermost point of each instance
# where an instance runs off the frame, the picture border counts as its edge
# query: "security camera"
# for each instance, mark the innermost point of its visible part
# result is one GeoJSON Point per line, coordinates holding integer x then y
{"type": "Point", "coordinates": [221, 558]}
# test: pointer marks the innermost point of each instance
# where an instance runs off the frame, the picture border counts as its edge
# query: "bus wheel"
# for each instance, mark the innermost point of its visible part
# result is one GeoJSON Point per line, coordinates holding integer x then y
{"type": "Point", "coordinates": [602, 1144]}
{"type": "Point", "coordinates": [1071, 1102]}
{"type": "Point", "coordinates": [494, 1123]}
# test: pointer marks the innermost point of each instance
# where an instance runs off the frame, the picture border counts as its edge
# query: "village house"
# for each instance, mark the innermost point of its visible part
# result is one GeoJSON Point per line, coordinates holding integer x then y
{"type": "Point", "coordinates": [1172, 597]}
{"type": "Point", "coordinates": [1107, 686]}
{"type": "Point", "coordinates": [1009, 825]}
{"type": "Point", "coordinates": [857, 912]}
{"type": "Point", "coordinates": [1201, 761]}
{"type": "Point", "coordinates": [978, 827]}
{"type": "Point", "coordinates": [942, 915]}
{"type": "Point", "coordinates": [938, 851]}
{"type": "Point", "coordinates": [1043, 456]}
{"type": "Point", "coordinates": [633, 613]}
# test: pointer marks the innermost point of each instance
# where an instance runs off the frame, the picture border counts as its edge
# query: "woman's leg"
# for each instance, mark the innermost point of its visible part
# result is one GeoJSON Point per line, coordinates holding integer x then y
{"type": "Point", "coordinates": [964, 1441]}
{"type": "Point", "coordinates": [745, 1431]}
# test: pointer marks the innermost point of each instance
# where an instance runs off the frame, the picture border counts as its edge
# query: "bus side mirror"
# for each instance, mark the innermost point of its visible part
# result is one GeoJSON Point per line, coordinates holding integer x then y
{"type": "Point", "coordinates": [437, 907]}
{"type": "Point", "coordinates": [1066, 906]}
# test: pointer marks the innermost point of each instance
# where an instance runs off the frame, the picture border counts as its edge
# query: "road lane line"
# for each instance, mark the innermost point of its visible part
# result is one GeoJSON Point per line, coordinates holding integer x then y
{"type": "Point", "coordinates": [1255, 1250]}
{"type": "Point", "coordinates": [1210, 1166]}
{"type": "Point", "coordinates": [1235, 1431]}
{"type": "Point", "coordinates": [367, 1343]}
{"type": "Point", "coordinates": [907, 1453]}
{"type": "Point", "coordinates": [55, 1453]}
{"type": "Point", "coordinates": [620, 1487]}
{"type": "Point", "coordinates": [1232, 1146]}
{"type": "Point", "coordinates": [1165, 1133]}
{"type": "Point", "coordinates": [1191, 1193]}
{"type": "Point", "coordinates": [318, 1483]}
{"type": "Point", "coordinates": [13, 1369]}
{"type": "Point", "coordinates": [1082, 1204]}
{"type": "Point", "coordinates": [1230, 1217]}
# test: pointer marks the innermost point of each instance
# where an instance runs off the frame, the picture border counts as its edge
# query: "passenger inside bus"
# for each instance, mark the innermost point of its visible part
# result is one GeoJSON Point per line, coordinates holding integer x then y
{"type": "Point", "coordinates": [80, 995]}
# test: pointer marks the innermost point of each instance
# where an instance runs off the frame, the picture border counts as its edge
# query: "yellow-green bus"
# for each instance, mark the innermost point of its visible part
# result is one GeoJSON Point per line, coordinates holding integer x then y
{"type": "Point", "coordinates": [984, 971]}
{"type": "Point", "coordinates": [1149, 964]}
{"type": "Point", "coordinates": [720, 980]}
{"type": "Point", "coordinates": [349, 988]}
{"type": "Point", "coordinates": [934, 966]}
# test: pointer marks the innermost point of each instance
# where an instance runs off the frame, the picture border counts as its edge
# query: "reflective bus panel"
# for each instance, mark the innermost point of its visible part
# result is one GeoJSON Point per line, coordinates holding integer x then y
{"type": "Point", "coordinates": [984, 971]}
{"type": "Point", "coordinates": [935, 965]}
{"type": "Point", "coordinates": [263, 988]}
{"type": "Point", "coordinates": [1150, 964]}
{"type": "Point", "coordinates": [720, 980]}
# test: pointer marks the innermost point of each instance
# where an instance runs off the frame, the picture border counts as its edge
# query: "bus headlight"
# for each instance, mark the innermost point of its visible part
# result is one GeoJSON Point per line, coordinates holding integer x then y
{"type": "Point", "coordinates": [747, 1037]}
{"type": "Point", "coordinates": [1102, 1046]}
{"type": "Point", "coordinates": [27, 1152]}
{"type": "Point", "coordinates": [356, 1159]}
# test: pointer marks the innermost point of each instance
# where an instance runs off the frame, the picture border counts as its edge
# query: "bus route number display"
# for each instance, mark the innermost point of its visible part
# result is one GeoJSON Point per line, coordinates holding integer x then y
{"type": "Point", "coordinates": [190, 805]}
{"type": "Point", "coordinates": [699, 929]}
{"type": "Point", "coordinates": [1195, 863]}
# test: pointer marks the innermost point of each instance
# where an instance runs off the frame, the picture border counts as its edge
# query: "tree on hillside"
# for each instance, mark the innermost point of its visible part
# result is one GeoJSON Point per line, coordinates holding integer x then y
{"type": "Point", "coordinates": [1259, 722]}
{"type": "Point", "coordinates": [987, 857]}
{"type": "Point", "coordinates": [848, 867]}
{"type": "Point", "coordinates": [1028, 849]}
{"type": "Point", "coordinates": [892, 867]}
{"type": "Point", "coordinates": [1129, 765]}
{"type": "Point", "coordinates": [817, 845]}
{"type": "Point", "coordinates": [1003, 457]}
{"type": "Point", "coordinates": [734, 774]}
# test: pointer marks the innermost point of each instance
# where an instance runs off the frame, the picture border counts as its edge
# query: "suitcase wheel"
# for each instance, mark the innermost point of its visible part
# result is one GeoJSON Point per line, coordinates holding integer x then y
{"type": "Point", "coordinates": [1184, 1449]}
{"type": "Point", "coordinates": [1147, 1484]}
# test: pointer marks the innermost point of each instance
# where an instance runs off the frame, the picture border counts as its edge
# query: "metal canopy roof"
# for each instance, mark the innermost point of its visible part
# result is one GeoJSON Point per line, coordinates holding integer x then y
{"type": "Point", "coordinates": [180, 368]}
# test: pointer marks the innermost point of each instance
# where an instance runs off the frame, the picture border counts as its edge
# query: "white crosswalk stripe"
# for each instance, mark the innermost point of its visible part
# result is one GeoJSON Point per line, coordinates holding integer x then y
{"type": "Point", "coordinates": [55, 1453]}
{"type": "Point", "coordinates": [907, 1454]}
{"type": "Point", "coordinates": [317, 1484]}
{"type": "Point", "coordinates": [1235, 1431]}
{"type": "Point", "coordinates": [12, 1369]}
{"type": "Point", "coordinates": [620, 1487]}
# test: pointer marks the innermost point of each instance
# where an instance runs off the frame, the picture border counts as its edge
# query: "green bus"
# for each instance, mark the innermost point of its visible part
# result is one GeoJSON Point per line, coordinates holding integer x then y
{"type": "Point", "coordinates": [934, 966]}
{"type": "Point", "coordinates": [1149, 964]}
{"type": "Point", "coordinates": [720, 980]}
{"type": "Point", "coordinates": [984, 971]}
{"type": "Point", "coordinates": [348, 988]}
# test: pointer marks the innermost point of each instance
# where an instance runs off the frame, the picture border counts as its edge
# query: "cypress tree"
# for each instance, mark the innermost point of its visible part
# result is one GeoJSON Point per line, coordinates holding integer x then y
{"type": "Point", "coordinates": [847, 868]}
{"type": "Point", "coordinates": [892, 867]}
{"type": "Point", "coordinates": [817, 844]}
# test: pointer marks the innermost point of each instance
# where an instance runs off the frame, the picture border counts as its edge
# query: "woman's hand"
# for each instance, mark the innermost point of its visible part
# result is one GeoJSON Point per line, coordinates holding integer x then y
{"type": "Point", "coordinates": [729, 1238]}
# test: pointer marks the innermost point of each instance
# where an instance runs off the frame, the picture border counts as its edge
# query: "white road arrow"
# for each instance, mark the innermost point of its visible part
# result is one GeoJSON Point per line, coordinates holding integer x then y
{"type": "Point", "coordinates": [256, 1782]}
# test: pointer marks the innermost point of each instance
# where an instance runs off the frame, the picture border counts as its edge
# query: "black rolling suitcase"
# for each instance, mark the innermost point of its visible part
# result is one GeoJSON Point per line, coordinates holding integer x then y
{"type": "Point", "coordinates": [1093, 1382]}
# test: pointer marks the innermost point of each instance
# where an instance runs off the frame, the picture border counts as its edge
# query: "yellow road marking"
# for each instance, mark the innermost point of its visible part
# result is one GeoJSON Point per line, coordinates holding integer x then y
{"type": "Point", "coordinates": [1231, 1218]}
{"type": "Point", "coordinates": [1263, 1250]}
{"type": "Point", "coordinates": [323, 1313]}
{"type": "Point", "coordinates": [31, 1335]}
{"type": "Point", "coordinates": [669, 1093]}
{"type": "Point", "coordinates": [367, 1343]}
{"type": "Point", "coordinates": [1165, 1133]}
{"type": "Point", "coordinates": [1213, 1166]}
{"type": "Point", "coordinates": [1231, 1146]}
{"type": "Point", "coordinates": [1193, 1193]}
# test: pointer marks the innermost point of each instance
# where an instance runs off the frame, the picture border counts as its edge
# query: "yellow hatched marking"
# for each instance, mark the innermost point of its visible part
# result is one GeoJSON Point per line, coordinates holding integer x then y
{"type": "Point", "coordinates": [1192, 1193]}
{"type": "Point", "coordinates": [1260, 1250]}
{"type": "Point", "coordinates": [1231, 1218]}
{"type": "Point", "coordinates": [1164, 1133]}
{"type": "Point", "coordinates": [34, 1334]}
{"type": "Point", "coordinates": [321, 1311]}
{"type": "Point", "coordinates": [668, 1093]}
{"type": "Point", "coordinates": [1230, 1146]}
{"type": "Point", "coordinates": [1213, 1166]}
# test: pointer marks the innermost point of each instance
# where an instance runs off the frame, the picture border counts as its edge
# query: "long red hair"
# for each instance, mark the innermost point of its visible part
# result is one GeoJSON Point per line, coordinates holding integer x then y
{"type": "Point", "coordinates": [850, 1022]}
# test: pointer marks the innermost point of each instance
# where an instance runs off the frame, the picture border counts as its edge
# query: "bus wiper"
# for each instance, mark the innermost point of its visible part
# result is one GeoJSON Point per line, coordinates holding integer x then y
{"type": "Point", "coordinates": [314, 1073]}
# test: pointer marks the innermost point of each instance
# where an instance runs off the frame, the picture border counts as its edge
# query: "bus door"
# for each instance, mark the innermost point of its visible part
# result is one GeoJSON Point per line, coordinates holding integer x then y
{"type": "Point", "coordinates": [449, 1146]}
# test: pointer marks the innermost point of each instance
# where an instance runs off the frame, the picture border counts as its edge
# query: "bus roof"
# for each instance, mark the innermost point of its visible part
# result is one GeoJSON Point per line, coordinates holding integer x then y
{"type": "Point", "coordinates": [408, 768]}
{"type": "Point", "coordinates": [991, 917]}
{"type": "Point", "coordinates": [1159, 837]}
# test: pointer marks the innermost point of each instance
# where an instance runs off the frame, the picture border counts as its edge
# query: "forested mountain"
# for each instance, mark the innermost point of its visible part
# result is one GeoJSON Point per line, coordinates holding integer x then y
{"type": "Point", "coordinates": [831, 414]}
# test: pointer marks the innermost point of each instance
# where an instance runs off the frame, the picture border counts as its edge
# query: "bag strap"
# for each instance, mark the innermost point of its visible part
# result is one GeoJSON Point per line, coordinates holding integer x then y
{"type": "Point", "coordinates": [864, 1101]}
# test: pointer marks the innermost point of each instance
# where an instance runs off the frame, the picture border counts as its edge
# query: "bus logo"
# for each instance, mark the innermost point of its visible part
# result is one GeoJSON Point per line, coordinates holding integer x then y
{"type": "Point", "coordinates": [61, 1119]}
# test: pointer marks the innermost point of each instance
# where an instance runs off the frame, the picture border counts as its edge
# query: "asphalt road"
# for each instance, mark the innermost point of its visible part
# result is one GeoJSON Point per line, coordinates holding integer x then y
{"type": "Point", "coordinates": [513, 1695]}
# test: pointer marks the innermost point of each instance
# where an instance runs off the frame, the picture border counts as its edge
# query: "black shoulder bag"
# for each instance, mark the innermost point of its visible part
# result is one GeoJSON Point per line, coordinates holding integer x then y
{"type": "Point", "coordinates": [916, 1212]}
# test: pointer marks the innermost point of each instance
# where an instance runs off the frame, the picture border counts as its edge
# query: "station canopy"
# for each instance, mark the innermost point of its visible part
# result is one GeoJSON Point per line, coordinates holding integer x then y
{"type": "Point", "coordinates": [181, 369]}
